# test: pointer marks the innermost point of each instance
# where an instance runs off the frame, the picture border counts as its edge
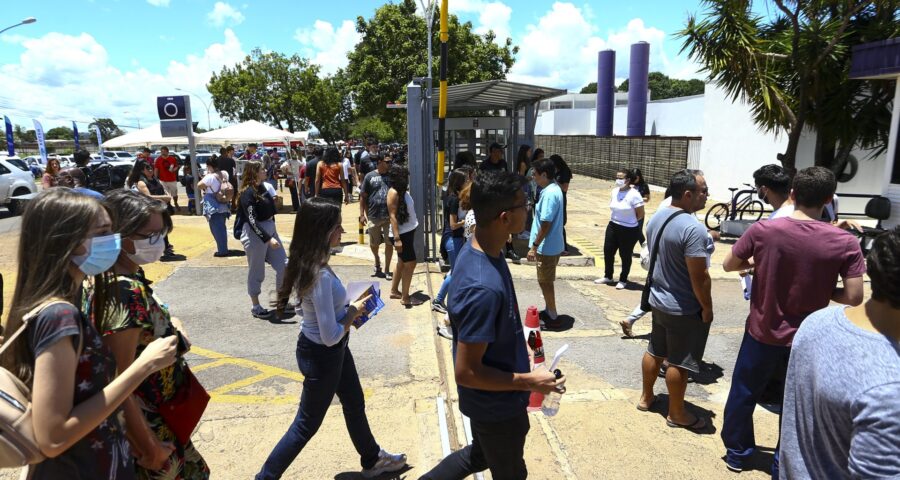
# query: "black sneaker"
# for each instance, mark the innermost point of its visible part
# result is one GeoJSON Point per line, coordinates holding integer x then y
{"type": "Point", "coordinates": [438, 307]}
{"type": "Point", "coordinates": [378, 272]}
{"type": "Point", "coordinates": [548, 323]}
{"type": "Point", "coordinates": [259, 312]}
{"type": "Point", "coordinates": [512, 255]}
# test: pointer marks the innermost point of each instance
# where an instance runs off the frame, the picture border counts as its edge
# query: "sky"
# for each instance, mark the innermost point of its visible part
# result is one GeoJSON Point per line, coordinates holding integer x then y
{"type": "Point", "coordinates": [111, 58]}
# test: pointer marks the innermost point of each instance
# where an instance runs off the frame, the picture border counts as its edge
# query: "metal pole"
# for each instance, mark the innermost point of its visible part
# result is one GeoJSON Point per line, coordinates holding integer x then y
{"type": "Point", "coordinates": [23, 22]}
{"type": "Point", "coordinates": [442, 101]}
{"type": "Point", "coordinates": [192, 151]}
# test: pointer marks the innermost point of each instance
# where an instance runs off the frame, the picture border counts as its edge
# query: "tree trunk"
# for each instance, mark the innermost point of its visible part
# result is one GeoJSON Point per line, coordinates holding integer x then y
{"type": "Point", "coordinates": [825, 151]}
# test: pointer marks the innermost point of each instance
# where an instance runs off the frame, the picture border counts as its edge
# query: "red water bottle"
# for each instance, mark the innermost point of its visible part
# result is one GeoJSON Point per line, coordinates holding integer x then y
{"type": "Point", "coordinates": [536, 349]}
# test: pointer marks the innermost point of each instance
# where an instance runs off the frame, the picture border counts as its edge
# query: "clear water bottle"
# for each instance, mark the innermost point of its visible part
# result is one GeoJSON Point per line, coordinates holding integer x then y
{"type": "Point", "coordinates": [551, 401]}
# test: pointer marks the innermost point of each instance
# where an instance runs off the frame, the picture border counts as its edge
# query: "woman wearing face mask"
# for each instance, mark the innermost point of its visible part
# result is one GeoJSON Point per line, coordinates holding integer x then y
{"type": "Point", "coordinates": [623, 230]}
{"type": "Point", "coordinates": [75, 392]}
{"type": "Point", "coordinates": [137, 319]}
{"type": "Point", "coordinates": [215, 182]}
{"type": "Point", "coordinates": [323, 352]}
{"type": "Point", "coordinates": [259, 238]}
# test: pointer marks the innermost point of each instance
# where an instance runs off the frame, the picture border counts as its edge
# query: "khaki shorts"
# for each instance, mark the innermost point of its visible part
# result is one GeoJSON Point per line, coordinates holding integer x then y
{"type": "Point", "coordinates": [546, 268]}
{"type": "Point", "coordinates": [171, 188]}
{"type": "Point", "coordinates": [378, 231]}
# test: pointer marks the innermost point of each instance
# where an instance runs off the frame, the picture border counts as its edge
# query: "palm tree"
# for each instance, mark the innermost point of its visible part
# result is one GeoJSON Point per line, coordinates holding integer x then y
{"type": "Point", "coordinates": [792, 69]}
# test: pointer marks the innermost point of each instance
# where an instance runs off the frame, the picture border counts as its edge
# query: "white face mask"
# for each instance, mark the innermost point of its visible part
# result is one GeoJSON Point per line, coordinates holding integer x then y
{"type": "Point", "coordinates": [145, 252]}
{"type": "Point", "coordinates": [620, 182]}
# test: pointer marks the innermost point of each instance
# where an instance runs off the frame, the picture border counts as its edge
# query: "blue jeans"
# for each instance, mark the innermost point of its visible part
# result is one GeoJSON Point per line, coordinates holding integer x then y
{"type": "Point", "coordinates": [453, 246]}
{"type": "Point", "coordinates": [756, 365]}
{"type": "Point", "coordinates": [219, 231]}
{"type": "Point", "coordinates": [327, 371]}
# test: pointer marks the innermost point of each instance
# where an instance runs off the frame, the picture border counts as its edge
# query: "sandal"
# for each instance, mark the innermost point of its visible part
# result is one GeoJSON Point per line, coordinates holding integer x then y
{"type": "Point", "coordinates": [697, 426]}
{"type": "Point", "coordinates": [396, 296]}
{"type": "Point", "coordinates": [648, 407]}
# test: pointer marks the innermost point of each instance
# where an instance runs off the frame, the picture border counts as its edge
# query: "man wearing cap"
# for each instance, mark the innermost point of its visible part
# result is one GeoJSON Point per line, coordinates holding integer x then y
{"type": "Point", "coordinates": [495, 159]}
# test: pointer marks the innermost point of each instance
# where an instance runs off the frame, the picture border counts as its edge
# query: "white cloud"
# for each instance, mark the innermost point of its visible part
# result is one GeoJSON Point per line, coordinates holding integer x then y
{"type": "Point", "coordinates": [159, 3]}
{"type": "Point", "coordinates": [62, 77]}
{"type": "Point", "coordinates": [223, 13]}
{"type": "Point", "coordinates": [491, 16]}
{"type": "Point", "coordinates": [561, 49]}
{"type": "Point", "coordinates": [327, 46]}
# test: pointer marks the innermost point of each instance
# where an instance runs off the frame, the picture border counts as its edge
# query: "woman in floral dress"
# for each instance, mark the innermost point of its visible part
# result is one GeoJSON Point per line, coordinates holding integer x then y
{"type": "Point", "coordinates": [133, 323]}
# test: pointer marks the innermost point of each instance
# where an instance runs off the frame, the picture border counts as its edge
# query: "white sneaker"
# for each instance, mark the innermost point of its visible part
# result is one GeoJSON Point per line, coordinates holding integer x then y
{"type": "Point", "coordinates": [387, 462]}
{"type": "Point", "coordinates": [620, 286]}
{"type": "Point", "coordinates": [603, 281]}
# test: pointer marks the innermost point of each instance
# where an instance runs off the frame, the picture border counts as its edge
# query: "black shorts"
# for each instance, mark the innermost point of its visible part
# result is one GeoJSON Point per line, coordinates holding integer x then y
{"type": "Point", "coordinates": [679, 339]}
{"type": "Point", "coordinates": [409, 246]}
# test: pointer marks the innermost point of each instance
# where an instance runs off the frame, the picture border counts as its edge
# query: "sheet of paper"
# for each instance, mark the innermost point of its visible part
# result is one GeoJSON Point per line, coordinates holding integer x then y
{"type": "Point", "coordinates": [356, 289]}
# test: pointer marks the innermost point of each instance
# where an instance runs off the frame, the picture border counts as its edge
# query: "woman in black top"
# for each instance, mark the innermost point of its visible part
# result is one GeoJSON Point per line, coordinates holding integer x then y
{"type": "Point", "coordinates": [643, 188]}
{"type": "Point", "coordinates": [143, 179]}
{"type": "Point", "coordinates": [258, 235]}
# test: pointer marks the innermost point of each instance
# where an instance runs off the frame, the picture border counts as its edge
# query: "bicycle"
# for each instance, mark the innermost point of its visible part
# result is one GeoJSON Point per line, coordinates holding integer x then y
{"type": "Point", "coordinates": [742, 206]}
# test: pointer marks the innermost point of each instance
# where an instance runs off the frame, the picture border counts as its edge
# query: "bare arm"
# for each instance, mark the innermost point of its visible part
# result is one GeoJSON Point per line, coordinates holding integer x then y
{"type": "Point", "coordinates": [639, 212]}
{"type": "Point", "coordinates": [318, 180]}
{"type": "Point", "coordinates": [541, 235]}
{"type": "Point", "coordinates": [58, 424]}
{"type": "Point", "coordinates": [393, 202]}
{"type": "Point", "coordinates": [851, 294]}
{"type": "Point", "coordinates": [472, 373]}
{"type": "Point", "coordinates": [142, 187]}
{"type": "Point", "coordinates": [733, 263]}
{"type": "Point", "coordinates": [701, 283]}
{"type": "Point", "coordinates": [363, 202]}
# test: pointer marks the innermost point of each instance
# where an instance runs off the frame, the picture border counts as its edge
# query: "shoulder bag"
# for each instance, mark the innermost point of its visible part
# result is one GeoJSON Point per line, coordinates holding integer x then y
{"type": "Point", "coordinates": [645, 294]}
{"type": "Point", "coordinates": [225, 192]}
{"type": "Point", "coordinates": [18, 446]}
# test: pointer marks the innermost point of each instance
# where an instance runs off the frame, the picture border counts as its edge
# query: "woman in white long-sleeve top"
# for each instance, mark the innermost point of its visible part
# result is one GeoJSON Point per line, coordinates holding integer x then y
{"type": "Point", "coordinates": [323, 354]}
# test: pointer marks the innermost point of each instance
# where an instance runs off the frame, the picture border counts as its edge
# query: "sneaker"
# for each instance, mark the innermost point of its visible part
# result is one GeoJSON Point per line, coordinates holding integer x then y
{"type": "Point", "coordinates": [512, 255]}
{"type": "Point", "coordinates": [604, 281]}
{"type": "Point", "coordinates": [378, 272]}
{"type": "Point", "coordinates": [221, 255]}
{"type": "Point", "coordinates": [445, 332]}
{"type": "Point", "coordinates": [259, 312]}
{"type": "Point", "coordinates": [620, 286]}
{"type": "Point", "coordinates": [387, 462]}
{"type": "Point", "coordinates": [733, 468]}
{"type": "Point", "coordinates": [388, 276]}
{"type": "Point", "coordinates": [547, 322]}
{"type": "Point", "coordinates": [438, 307]}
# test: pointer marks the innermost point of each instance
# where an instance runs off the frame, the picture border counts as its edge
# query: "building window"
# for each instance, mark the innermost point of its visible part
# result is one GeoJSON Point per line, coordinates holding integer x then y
{"type": "Point", "coordinates": [560, 105]}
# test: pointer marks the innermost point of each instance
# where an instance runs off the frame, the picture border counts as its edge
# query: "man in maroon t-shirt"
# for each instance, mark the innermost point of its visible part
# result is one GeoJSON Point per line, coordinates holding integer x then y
{"type": "Point", "coordinates": [796, 261]}
{"type": "Point", "coordinates": [167, 172]}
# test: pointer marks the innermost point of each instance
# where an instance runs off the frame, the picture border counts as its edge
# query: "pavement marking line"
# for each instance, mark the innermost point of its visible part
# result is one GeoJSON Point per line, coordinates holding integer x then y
{"type": "Point", "coordinates": [223, 393]}
{"type": "Point", "coordinates": [556, 447]}
{"type": "Point", "coordinates": [442, 422]}
{"type": "Point", "coordinates": [585, 245]}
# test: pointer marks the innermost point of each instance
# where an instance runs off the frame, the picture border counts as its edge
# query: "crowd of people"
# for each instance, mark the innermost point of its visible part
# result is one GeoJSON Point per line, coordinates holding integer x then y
{"type": "Point", "coordinates": [102, 399]}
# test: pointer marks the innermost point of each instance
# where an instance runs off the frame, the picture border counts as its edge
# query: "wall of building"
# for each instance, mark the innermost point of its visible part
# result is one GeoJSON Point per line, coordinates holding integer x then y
{"type": "Point", "coordinates": [671, 117]}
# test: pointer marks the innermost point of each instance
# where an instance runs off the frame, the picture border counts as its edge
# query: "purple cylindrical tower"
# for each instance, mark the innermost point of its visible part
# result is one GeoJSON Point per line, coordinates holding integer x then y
{"type": "Point", "coordinates": [637, 89]}
{"type": "Point", "coordinates": [606, 92]}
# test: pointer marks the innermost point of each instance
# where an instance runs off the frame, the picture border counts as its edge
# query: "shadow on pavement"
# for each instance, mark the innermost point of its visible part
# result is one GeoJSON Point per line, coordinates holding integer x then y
{"type": "Point", "coordinates": [661, 406]}
{"type": "Point", "coordinates": [384, 476]}
{"type": "Point", "coordinates": [566, 322]}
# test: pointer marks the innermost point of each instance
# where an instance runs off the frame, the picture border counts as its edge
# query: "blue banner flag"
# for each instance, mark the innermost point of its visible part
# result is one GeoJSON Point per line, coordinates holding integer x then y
{"type": "Point", "coordinates": [39, 131]}
{"type": "Point", "coordinates": [10, 145]}
{"type": "Point", "coordinates": [75, 128]}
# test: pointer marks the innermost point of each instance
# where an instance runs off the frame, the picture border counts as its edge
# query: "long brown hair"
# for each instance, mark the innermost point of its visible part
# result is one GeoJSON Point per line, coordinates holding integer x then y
{"type": "Point", "coordinates": [310, 246]}
{"type": "Point", "coordinates": [250, 177]}
{"type": "Point", "coordinates": [54, 224]}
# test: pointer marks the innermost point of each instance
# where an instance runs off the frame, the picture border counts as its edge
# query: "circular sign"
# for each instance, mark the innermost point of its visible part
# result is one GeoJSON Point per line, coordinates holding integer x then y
{"type": "Point", "coordinates": [174, 109]}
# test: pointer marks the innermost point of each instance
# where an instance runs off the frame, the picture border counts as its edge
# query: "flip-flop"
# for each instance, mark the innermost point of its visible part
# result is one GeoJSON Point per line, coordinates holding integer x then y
{"type": "Point", "coordinates": [694, 427]}
{"type": "Point", "coordinates": [648, 407]}
{"type": "Point", "coordinates": [396, 296]}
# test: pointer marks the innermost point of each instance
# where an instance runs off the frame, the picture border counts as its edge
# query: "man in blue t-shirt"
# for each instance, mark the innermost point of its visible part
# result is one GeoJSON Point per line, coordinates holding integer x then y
{"type": "Point", "coordinates": [489, 352]}
{"type": "Point", "coordinates": [546, 242]}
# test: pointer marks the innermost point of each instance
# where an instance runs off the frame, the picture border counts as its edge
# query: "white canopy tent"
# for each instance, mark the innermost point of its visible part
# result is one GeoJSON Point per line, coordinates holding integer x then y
{"type": "Point", "coordinates": [246, 132]}
{"type": "Point", "coordinates": [143, 138]}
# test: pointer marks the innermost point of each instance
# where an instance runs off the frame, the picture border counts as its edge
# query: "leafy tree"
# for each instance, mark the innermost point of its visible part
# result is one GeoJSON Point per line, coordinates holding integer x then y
{"type": "Point", "coordinates": [267, 87]}
{"type": "Point", "coordinates": [108, 129]}
{"type": "Point", "coordinates": [792, 69]}
{"type": "Point", "coordinates": [22, 135]}
{"type": "Point", "coordinates": [394, 48]}
{"type": "Point", "coordinates": [60, 133]}
{"type": "Point", "coordinates": [332, 110]}
{"type": "Point", "coordinates": [372, 127]}
{"type": "Point", "coordinates": [590, 88]}
{"type": "Point", "coordinates": [662, 87]}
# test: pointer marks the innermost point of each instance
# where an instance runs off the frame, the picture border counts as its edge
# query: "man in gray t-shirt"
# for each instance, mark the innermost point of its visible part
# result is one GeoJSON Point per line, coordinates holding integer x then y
{"type": "Point", "coordinates": [373, 212]}
{"type": "Point", "coordinates": [680, 297]}
{"type": "Point", "coordinates": [841, 416]}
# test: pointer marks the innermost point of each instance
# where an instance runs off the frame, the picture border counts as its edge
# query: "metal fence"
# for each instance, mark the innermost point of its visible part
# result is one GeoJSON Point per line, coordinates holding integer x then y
{"type": "Point", "coordinates": [601, 157]}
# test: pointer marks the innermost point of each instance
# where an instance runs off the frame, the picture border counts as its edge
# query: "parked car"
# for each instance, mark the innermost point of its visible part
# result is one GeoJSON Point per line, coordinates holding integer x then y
{"type": "Point", "coordinates": [17, 185]}
{"type": "Point", "coordinates": [119, 155]}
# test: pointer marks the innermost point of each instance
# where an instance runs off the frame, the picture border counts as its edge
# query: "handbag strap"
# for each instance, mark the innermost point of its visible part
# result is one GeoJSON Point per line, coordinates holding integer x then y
{"type": "Point", "coordinates": [33, 313]}
{"type": "Point", "coordinates": [655, 251]}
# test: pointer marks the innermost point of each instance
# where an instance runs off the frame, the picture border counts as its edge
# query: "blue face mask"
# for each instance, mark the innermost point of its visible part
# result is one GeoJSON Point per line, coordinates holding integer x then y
{"type": "Point", "coordinates": [101, 255]}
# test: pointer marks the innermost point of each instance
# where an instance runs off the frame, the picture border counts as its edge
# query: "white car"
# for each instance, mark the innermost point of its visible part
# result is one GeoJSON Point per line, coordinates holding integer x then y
{"type": "Point", "coordinates": [119, 155]}
{"type": "Point", "coordinates": [17, 185]}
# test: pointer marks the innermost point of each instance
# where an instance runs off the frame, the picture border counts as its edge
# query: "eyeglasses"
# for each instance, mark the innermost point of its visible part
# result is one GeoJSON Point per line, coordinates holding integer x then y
{"type": "Point", "coordinates": [154, 238]}
{"type": "Point", "coordinates": [514, 207]}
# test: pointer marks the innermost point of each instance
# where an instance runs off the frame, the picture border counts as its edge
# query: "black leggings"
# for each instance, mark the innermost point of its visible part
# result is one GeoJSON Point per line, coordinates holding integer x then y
{"type": "Point", "coordinates": [622, 239]}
